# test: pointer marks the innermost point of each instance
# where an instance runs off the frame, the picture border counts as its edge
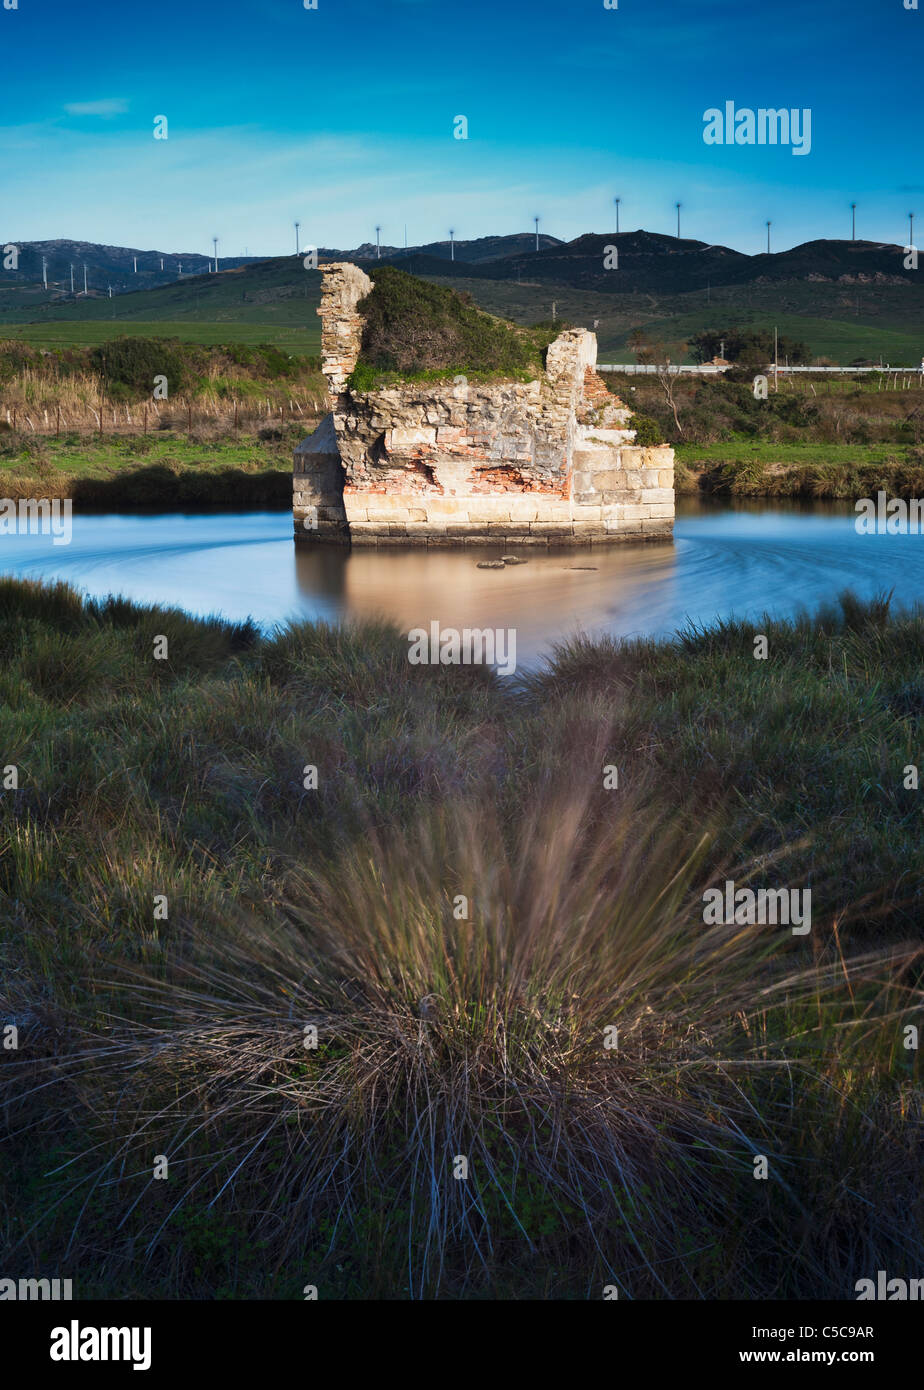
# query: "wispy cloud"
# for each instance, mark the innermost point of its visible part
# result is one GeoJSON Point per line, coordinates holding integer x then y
{"type": "Point", "coordinates": [108, 106]}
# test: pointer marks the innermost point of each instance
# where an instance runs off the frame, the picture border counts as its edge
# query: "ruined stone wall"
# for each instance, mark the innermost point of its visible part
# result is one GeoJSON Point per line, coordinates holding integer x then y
{"type": "Point", "coordinates": [545, 461]}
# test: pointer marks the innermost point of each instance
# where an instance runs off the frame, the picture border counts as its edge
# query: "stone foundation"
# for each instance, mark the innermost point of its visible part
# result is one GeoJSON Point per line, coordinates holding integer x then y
{"type": "Point", "coordinates": [545, 462]}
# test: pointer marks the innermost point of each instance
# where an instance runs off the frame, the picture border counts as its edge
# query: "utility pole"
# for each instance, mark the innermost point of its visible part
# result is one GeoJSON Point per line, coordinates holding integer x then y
{"type": "Point", "coordinates": [378, 251]}
{"type": "Point", "coordinates": [617, 201]}
{"type": "Point", "coordinates": [853, 221]}
{"type": "Point", "coordinates": [297, 242]}
{"type": "Point", "coordinates": [452, 244]}
{"type": "Point", "coordinates": [536, 220]}
{"type": "Point", "coordinates": [678, 207]}
{"type": "Point", "coordinates": [768, 238]}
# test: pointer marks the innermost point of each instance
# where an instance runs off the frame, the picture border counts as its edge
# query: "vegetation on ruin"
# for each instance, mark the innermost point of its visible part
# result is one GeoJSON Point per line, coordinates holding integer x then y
{"type": "Point", "coordinates": [288, 906]}
{"type": "Point", "coordinates": [416, 330]}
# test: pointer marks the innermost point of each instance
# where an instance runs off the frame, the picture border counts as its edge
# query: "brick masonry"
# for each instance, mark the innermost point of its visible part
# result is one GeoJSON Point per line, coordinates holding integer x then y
{"type": "Point", "coordinates": [546, 462]}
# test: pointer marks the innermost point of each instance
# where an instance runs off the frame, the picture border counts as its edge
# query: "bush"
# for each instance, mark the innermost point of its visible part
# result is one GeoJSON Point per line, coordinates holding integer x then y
{"type": "Point", "coordinates": [413, 326]}
{"type": "Point", "coordinates": [135, 362]}
{"type": "Point", "coordinates": [647, 431]}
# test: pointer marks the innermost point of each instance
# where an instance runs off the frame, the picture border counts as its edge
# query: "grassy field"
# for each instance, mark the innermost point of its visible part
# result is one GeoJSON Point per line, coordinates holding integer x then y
{"type": "Point", "coordinates": [768, 452]}
{"type": "Point", "coordinates": [461, 907]}
{"type": "Point", "coordinates": [155, 470]}
{"type": "Point", "coordinates": [301, 338]}
{"type": "Point", "coordinates": [272, 301]}
{"type": "Point", "coordinates": [275, 301]}
{"type": "Point", "coordinates": [843, 323]}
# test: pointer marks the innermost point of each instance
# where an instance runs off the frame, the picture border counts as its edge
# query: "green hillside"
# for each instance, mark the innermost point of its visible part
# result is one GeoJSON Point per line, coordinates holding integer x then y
{"type": "Point", "coordinates": [272, 301]}
{"type": "Point", "coordinates": [276, 300]}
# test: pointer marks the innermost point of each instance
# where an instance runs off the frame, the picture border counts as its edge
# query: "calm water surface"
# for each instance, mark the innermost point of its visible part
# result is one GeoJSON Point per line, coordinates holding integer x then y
{"type": "Point", "coordinates": [743, 560]}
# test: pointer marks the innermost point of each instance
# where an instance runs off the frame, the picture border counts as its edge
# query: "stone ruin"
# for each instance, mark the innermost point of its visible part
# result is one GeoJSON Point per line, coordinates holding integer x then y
{"type": "Point", "coordinates": [545, 462]}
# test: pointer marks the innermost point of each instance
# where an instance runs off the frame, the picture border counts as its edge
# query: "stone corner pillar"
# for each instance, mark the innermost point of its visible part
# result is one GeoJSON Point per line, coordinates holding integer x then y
{"type": "Point", "coordinates": [343, 285]}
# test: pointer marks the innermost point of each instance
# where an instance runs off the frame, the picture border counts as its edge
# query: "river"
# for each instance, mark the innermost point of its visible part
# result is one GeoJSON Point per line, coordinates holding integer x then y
{"type": "Point", "coordinates": [743, 560]}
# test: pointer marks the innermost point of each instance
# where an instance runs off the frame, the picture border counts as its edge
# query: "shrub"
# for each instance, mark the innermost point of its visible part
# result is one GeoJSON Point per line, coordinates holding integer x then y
{"type": "Point", "coordinates": [413, 326]}
{"type": "Point", "coordinates": [647, 431]}
{"type": "Point", "coordinates": [135, 362]}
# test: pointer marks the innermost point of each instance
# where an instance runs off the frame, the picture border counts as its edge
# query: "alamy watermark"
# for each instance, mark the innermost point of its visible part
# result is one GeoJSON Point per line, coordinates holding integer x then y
{"type": "Point", "coordinates": [37, 516]}
{"type": "Point", "coordinates": [892, 516]}
{"type": "Point", "coordinates": [889, 1290]}
{"type": "Point", "coordinates": [765, 126]}
{"type": "Point", "coordinates": [468, 646]}
{"type": "Point", "coordinates": [31, 1290]}
{"type": "Point", "coordinates": [761, 907]}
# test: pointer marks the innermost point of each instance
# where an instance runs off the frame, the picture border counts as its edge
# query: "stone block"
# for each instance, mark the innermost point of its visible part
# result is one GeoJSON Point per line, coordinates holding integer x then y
{"type": "Point", "coordinates": [522, 508]}
{"type": "Point", "coordinates": [405, 437]}
{"type": "Point", "coordinates": [383, 514]}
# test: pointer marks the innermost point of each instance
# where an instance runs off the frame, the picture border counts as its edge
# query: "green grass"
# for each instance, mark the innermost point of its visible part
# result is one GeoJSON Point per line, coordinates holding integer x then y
{"type": "Point", "coordinates": [159, 469]}
{"type": "Point", "coordinates": [304, 338]}
{"type": "Point", "coordinates": [823, 316]}
{"type": "Point", "coordinates": [275, 301]}
{"type": "Point", "coordinates": [768, 452]}
{"type": "Point", "coordinates": [271, 301]}
{"type": "Point", "coordinates": [438, 1034]}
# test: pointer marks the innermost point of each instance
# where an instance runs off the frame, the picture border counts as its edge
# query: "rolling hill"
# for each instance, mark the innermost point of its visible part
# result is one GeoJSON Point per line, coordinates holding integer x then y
{"type": "Point", "coordinates": [845, 299]}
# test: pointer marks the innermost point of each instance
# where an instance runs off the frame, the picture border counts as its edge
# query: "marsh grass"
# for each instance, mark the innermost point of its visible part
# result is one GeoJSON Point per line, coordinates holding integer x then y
{"type": "Point", "coordinates": [443, 1035]}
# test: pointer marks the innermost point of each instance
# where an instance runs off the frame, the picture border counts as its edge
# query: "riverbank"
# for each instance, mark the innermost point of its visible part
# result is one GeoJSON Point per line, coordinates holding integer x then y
{"type": "Point", "coordinates": [843, 439]}
{"type": "Point", "coordinates": [748, 468]}
{"type": "Point", "coordinates": [158, 472]}
{"type": "Point", "coordinates": [208, 469]}
{"type": "Point", "coordinates": [462, 890]}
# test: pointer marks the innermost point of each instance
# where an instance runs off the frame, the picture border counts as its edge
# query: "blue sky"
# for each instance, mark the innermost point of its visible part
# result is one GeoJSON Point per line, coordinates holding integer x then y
{"type": "Point", "coordinates": [343, 117]}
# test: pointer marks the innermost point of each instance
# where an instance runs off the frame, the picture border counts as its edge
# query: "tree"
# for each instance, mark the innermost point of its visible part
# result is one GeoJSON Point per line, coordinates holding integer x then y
{"type": "Point", "coordinates": [747, 347]}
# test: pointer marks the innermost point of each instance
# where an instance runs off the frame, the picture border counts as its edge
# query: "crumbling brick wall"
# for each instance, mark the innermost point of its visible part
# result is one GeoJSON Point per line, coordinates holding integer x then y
{"type": "Point", "coordinates": [549, 460]}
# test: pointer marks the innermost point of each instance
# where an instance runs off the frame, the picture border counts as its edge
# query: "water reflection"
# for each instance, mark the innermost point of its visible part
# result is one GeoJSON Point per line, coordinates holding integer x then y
{"type": "Point", "coordinates": [754, 557]}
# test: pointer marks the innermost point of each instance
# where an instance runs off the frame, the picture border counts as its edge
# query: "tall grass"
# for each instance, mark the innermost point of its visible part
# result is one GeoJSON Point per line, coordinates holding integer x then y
{"type": "Point", "coordinates": [462, 911]}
